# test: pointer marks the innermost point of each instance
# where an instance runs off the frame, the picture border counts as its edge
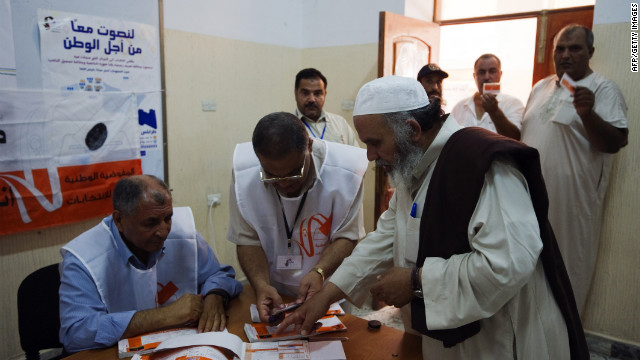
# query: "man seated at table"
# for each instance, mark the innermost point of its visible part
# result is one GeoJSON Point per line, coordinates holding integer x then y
{"type": "Point", "coordinates": [142, 269]}
{"type": "Point", "coordinates": [295, 209]}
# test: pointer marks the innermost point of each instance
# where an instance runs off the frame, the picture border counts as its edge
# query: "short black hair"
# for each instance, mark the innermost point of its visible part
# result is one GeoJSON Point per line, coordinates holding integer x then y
{"type": "Point", "coordinates": [571, 28]}
{"type": "Point", "coordinates": [129, 191]}
{"type": "Point", "coordinates": [485, 57]}
{"type": "Point", "coordinates": [278, 135]}
{"type": "Point", "coordinates": [310, 73]}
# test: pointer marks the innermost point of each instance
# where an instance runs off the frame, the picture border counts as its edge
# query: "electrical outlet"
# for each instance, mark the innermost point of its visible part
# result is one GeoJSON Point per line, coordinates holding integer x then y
{"type": "Point", "coordinates": [214, 199]}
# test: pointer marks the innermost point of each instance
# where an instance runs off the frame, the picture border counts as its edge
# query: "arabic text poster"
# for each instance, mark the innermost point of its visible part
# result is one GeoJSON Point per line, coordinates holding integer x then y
{"type": "Point", "coordinates": [84, 53]}
{"type": "Point", "coordinates": [61, 154]}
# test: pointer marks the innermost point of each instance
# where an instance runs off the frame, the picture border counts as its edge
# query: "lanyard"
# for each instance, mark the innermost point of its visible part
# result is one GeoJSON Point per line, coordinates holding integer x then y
{"type": "Point", "coordinates": [313, 133]}
{"type": "Point", "coordinates": [284, 216]}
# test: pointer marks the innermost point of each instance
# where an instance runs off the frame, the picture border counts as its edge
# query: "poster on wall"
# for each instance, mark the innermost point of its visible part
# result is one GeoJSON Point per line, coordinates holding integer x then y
{"type": "Point", "coordinates": [61, 154]}
{"type": "Point", "coordinates": [7, 55]}
{"type": "Point", "coordinates": [91, 54]}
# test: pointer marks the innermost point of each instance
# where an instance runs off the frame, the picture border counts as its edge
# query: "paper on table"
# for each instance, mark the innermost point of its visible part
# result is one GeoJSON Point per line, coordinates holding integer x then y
{"type": "Point", "coordinates": [334, 309]}
{"type": "Point", "coordinates": [222, 339]}
{"type": "Point", "coordinates": [327, 350]}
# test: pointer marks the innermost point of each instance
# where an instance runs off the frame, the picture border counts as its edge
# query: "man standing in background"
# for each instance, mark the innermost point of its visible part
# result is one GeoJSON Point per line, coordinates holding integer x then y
{"type": "Point", "coordinates": [310, 92]}
{"type": "Point", "coordinates": [497, 112]}
{"type": "Point", "coordinates": [576, 134]}
{"type": "Point", "coordinates": [430, 77]}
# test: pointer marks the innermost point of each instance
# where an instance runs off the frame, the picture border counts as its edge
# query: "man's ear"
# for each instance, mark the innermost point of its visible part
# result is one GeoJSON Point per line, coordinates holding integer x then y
{"type": "Point", "coordinates": [117, 219]}
{"type": "Point", "coordinates": [591, 51]}
{"type": "Point", "coordinates": [417, 130]}
{"type": "Point", "coordinates": [310, 145]}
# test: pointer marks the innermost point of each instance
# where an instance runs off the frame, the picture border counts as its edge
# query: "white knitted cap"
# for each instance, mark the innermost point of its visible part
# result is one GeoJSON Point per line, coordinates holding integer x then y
{"type": "Point", "coordinates": [390, 94]}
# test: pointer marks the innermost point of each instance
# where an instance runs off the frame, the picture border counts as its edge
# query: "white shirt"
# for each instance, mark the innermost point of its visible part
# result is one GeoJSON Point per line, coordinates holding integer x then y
{"type": "Point", "coordinates": [465, 112]}
{"type": "Point", "coordinates": [501, 282]}
{"type": "Point", "coordinates": [575, 173]}
{"type": "Point", "coordinates": [332, 209]}
{"type": "Point", "coordinates": [329, 127]}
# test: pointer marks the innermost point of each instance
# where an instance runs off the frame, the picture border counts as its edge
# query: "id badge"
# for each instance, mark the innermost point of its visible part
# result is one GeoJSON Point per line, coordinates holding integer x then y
{"type": "Point", "coordinates": [289, 262]}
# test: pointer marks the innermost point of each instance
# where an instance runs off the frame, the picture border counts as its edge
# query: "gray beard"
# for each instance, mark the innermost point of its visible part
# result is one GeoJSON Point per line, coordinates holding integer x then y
{"type": "Point", "coordinates": [407, 158]}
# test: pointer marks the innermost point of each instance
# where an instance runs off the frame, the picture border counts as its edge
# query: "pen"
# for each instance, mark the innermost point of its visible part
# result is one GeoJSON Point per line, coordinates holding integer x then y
{"type": "Point", "coordinates": [318, 338]}
{"type": "Point", "coordinates": [414, 209]}
{"type": "Point", "coordinates": [278, 315]}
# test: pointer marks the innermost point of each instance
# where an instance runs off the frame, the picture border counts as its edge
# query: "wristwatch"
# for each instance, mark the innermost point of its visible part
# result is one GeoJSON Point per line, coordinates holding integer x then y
{"type": "Point", "coordinates": [416, 286]}
{"type": "Point", "coordinates": [319, 271]}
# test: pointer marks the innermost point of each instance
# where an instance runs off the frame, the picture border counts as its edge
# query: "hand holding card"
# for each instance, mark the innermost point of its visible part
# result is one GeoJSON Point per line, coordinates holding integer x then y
{"type": "Point", "coordinates": [568, 83]}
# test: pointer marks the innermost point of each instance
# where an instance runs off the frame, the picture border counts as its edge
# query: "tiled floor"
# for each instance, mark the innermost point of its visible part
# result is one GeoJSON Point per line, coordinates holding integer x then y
{"type": "Point", "coordinates": [601, 349]}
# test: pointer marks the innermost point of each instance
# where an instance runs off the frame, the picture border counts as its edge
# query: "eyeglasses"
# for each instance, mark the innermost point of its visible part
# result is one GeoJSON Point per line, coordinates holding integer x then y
{"type": "Point", "coordinates": [269, 180]}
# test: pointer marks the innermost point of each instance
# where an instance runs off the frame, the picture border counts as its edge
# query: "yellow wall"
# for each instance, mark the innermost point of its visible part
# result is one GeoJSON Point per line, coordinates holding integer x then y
{"type": "Point", "coordinates": [612, 306]}
{"type": "Point", "coordinates": [247, 81]}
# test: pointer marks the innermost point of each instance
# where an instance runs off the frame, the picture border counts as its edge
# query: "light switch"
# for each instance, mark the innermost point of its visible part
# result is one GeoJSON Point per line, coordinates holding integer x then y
{"type": "Point", "coordinates": [347, 104]}
{"type": "Point", "coordinates": [209, 105]}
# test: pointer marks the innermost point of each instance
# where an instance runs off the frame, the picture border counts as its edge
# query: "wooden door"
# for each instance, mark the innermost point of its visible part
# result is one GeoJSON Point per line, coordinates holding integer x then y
{"type": "Point", "coordinates": [549, 24]}
{"type": "Point", "coordinates": [405, 45]}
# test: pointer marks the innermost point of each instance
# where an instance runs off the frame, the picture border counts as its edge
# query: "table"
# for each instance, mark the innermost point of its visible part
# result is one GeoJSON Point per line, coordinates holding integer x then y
{"type": "Point", "coordinates": [385, 343]}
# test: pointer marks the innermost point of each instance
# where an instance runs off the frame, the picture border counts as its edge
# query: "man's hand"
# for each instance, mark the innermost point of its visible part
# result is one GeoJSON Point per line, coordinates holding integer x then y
{"type": "Point", "coordinates": [394, 287]}
{"type": "Point", "coordinates": [267, 299]}
{"type": "Point", "coordinates": [187, 309]}
{"type": "Point", "coordinates": [489, 103]}
{"type": "Point", "coordinates": [313, 309]}
{"type": "Point", "coordinates": [583, 100]}
{"type": "Point", "coordinates": [310, 285]}
{"type": "Point", "coordinates": [213, 316]}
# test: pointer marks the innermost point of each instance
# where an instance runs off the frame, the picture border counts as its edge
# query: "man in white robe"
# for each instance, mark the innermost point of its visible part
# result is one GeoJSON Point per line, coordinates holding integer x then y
{"type": "Point", "coordinates": [495, 299]}
{"type": "Point", "coordinates": [577, 135]}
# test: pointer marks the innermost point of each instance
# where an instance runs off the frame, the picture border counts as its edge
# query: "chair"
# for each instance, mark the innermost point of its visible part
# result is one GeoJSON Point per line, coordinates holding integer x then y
{"type": "Point", "coordinates": [38, 311]}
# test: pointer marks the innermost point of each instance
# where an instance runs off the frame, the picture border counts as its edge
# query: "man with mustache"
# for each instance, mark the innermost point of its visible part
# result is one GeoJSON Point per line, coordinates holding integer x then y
{"type": "Point", "coordinates": [500, 113]}
{"type": "Point", "coordinates": [430, 77]}
{"type": "Point", "coordinates": [310, 93]}
{"type": "Point", "coordinates": [577, 135]}
{"type": "Point", "coordinates": [465, 249]}
{"type": "Point", "coordinates": [295, 209]}
{"type": "Point", "coordinates": [142, 269]}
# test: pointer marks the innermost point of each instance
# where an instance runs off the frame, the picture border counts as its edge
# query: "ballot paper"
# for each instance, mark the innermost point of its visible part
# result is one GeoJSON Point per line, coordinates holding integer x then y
{"type": "Point", "coordinates": [144, 344]}
{"type": "Point", "coordinates": [334, 309]}
{"type": "Point", "coordinates": [568, 83]}
{"type": "Point", "coordinates": [259, 332]}
{"type": "Point", "coordinates": [226, 346]}
{"type": "Point", "coordinates": [491, 88]}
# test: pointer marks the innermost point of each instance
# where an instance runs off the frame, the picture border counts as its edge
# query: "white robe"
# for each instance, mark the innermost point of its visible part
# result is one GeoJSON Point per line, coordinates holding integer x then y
{"type": "Point", "coordinates": [501, 282]}
{"type": "Point", "coordinates": [575, 173]}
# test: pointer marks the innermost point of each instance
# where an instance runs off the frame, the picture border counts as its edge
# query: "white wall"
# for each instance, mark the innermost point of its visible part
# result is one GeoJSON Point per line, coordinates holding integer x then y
{"type": "Point", "coordinates": [291, 23]}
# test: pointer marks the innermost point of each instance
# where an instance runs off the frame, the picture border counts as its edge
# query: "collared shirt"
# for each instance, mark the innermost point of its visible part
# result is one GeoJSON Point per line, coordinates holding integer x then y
{"type": "Point", "coordinates": [334, 127]}
{"type": "Point", "coordinates": [465, 112]}
{"type": "Point", "coordinates": [85, 322]}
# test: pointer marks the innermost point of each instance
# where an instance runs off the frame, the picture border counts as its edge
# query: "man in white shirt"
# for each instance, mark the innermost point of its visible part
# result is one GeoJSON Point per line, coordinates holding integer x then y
{"type": "Point", "coordinates": [310, 93]}
{"type": "Point", "coordinates": [500, 113]}
{"type": "Point", "coordinates": [472, 263]}
{"type": "Point", "coordinates": [577, 135]}
{"type": "Point", "coordinates": [295, 209]}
